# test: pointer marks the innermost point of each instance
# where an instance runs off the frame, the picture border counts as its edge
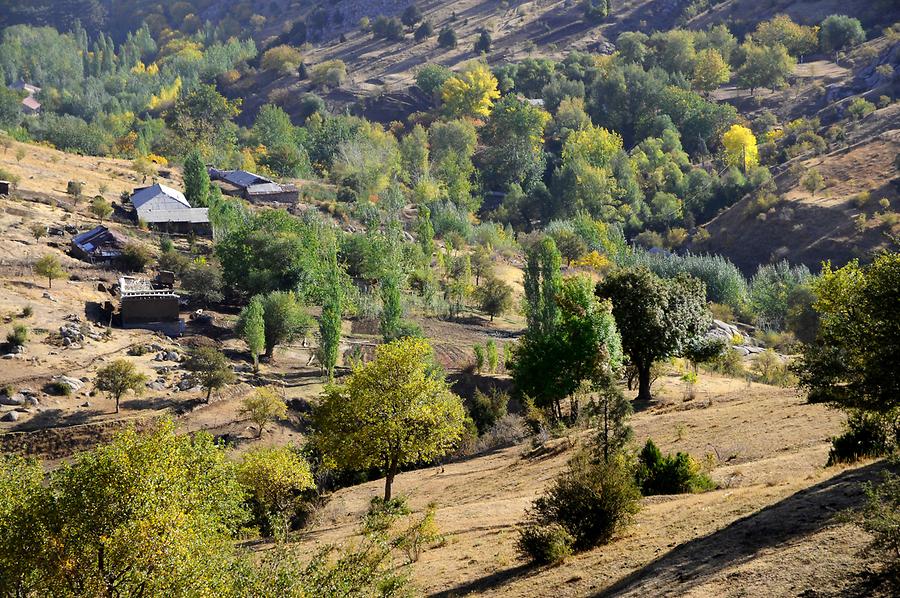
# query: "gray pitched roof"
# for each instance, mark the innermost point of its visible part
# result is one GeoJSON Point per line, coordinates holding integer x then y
{"type": "Point", "coordinates": [192, 215]}
{"type": "Point", "coordinates": [142, 196]}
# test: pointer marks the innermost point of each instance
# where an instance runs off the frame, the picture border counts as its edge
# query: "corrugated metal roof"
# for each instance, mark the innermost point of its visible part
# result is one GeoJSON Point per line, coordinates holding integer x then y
{"type": "Point", "coordinates": [193, 215]}
{"type": "Point", "coordinates": [97, 236]}
{"type": "Point", "coordinates": [31, 103]}
{"type": "Point", "coordinates": [145, 194]}
{"type": "Point", "coordinates": [242, 178]}
{"type": "Point", "coordinates": [264, 188]}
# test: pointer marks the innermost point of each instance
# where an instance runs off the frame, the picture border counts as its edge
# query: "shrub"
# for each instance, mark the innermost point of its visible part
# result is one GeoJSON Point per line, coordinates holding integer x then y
{"type": "Point", "coordinates": [283, 59]}
{"type": "Point", "coordinates": [59, 388]}
{"type": "Point", "coordinates": [860, 108]}
{"type": "Point", "coordinates": [18, 336]}
{"type": "Point", "coordinates": [486, 409]}
{"type": "Point", "coordinates": [383, 513]}
{"type": "Point", "coordinates": [667, 474]}
{"type": "Point", "coordinates": [590, 500]}
{"type": "Point", "coordinates": [769, 368]}
{"type": "Point", "coordinates": [880, 516]}
{"type": "Point", "coordinates": [479, 358]}
{"type": "Point", "coordinates": [866, 435]}
{"type": "Point", "coordinates": [27, 311]}
{"type": "Point", "coordinates": [135, 257]}
{"type": "Point", "coordinates": [545, 544]}
{"type": "Point", "coordinates": [420, 534]}
{"type": "Point", "coordinates": [729, 363]}
{"type": "Point", "coordinates": [509, 430]}
{"type": "Point", "coordinates": [330, 73]}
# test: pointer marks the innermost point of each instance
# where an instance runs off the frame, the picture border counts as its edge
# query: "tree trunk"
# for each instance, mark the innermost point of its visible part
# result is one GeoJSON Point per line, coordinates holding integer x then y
{"type": "Point", "coordinates": [117, 404]}
{"type": "Point", "coordinates": [644, 382]}
{"type": "Point", "coordinates": [49, 283]}
{"type": "Point", "coordinates": [388, 481]}
{"type": "Point", "coordinates": [208, 393]}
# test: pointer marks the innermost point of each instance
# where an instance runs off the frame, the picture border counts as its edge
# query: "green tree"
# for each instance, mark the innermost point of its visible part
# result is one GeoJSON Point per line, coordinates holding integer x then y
{"type": "Point", "coordinates": [411, 15]}
{"type": "Point", "coordinates": [813, 181]}
{"type": "Point", "coordinates": [583, 345]}
{"type": "Point", "coordinates": [148, 514]}
{"type": "Point", "coordinates": [50, 268]}
{"type": "Point", "coordinates": [203, 280]}
{"type": "Point", "coordinates": [252, 329]}
{"type": "Point", "coordinates": [495, 297]}
{"type": "Point", "coordinates": [211, 368]}
{"type": "Point", "coordinates": [853, 362]}
{"type": "Point", "coordinates": [840, 32]}
{"type": "Point", "coordinates": [393, 412]}
{"type": "Point", "coordinates": [425, 231]}
{"type": "Point", "coordinates": [330, 320]}
{"type": "Point", "coordinates": [276, 478]}
{"type": "Point", "coordinates": [710, 70]}
{"type": "Point", "coordinates": [447, 38]}
{"type": "Point", "coordinates": [542, 284]}
{"type": "Point", "coordinates": [101, 208]}
{"type": "Point", "coordinates": [658, 318]}
{"type": "Point", "coordinates": [424, 31]}
{"type": "Point", "coordinates": [196, 180]}
{"type": "Point", "coordinates": [431, 77]}
{"type": "Point", "coordinates": [262, 407]}
{"type": "Point", "coordinates": [118, 378]}
{"type": "Point", "coordinates": [765, 66]}
{"type": "Point", "coordinates": [285, 319]}
{"type": "Point", "coordinates": [483, 43]}
{"type": "Point", "coordinates": [391, 305]}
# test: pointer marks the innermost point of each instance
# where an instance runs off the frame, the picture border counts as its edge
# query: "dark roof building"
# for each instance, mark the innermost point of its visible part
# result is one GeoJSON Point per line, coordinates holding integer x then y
{"type": "Point", "coordinates": [253, 187]}
{"type": "Point", "coordinates": [162, 207]}
{"type": "Point", "coordinates": [99, 244]}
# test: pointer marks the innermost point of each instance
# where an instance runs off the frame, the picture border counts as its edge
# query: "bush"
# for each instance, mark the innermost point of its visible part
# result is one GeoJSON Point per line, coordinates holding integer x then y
{"type": "Point", "coordinates": [545, 544]}
{"type": "Point", "coordinates": [880, 516]}
{"type": "Point", "coordinates": [668, 474]}
{"type": "Point", "coordinates": [509, 430]}
{"type": "Point", "coordinates": [590, 500]}
{"type": "Point", "coordinates": [486, 409]}
{"type": "Point", "coordinates": [18, 336]}
{"type": "Point", "coordinates": [135, 257]}
{"type": "Point", "coordinates": [769, 368]}
{"type": "Point", "coordinates": [866, 435]}
{"type": "Point", "coordinates": [383, 513]}
{"type": "Point", "coordinates": [330, 73]}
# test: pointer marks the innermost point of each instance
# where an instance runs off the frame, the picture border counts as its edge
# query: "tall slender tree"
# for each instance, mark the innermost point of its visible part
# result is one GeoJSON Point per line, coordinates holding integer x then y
{"type": "Point", "coordinates": [196, 180]}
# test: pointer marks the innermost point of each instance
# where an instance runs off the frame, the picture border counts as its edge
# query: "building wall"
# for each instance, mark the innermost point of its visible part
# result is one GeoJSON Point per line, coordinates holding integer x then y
{"type": "Point", "coordinates": [142, 310]}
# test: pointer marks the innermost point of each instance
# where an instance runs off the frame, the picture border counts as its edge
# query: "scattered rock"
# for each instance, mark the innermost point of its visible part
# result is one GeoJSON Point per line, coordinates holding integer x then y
{"type": "Point", "coordinates": [74, 384]}
{"type": "Point", "coordinates": [15, 400]}
{"type": "Point", "coordinates": [12, 416]}
{"type": "Point", "coordinates": [47, 295]}
{"type": "Point", "coordinates": [157, 385]}
{"type": "Point", "coordinates": [86, 404]}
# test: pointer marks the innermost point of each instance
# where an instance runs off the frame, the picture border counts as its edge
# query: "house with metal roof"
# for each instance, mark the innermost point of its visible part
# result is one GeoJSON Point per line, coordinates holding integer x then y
{"type": "Point", "coordinates": [165, 208]}
{"type": "Point", "coordinates": [98, 245]}
{"type": "Point", "coordinates": [253, 187]}
{"type": "Point", "coordinates": [30, 104]}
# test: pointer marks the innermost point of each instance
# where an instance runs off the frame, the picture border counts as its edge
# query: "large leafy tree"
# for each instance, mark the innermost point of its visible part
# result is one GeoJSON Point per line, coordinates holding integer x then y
{"type": "Point", "coordinates": [514, 140]}
{"type": "Point", "coordinates": [285, 319]}
{"type": "Point", "coordinates": [393, 412]}
{"type": "Point", "coordinates": [658, 318]}
{"type": "Point", "coordinates": [765, 66]}
{"type": "Point", "coordinates": [470, 93]}
{"type": "Point", "coordinates": [583, 345]}
{"type": "Point", "coordinates": [740, 148]}
{"type": "Point", "coordinates": [150, 514]}
{"type": "Point", "coordinates": [839, 32]}
{"type": "Point", "coordinates": [854, 360]}
{"type": "Point", "coordinates": [252, 329]}
{"type": "Point", "coordinates": [202, 117]}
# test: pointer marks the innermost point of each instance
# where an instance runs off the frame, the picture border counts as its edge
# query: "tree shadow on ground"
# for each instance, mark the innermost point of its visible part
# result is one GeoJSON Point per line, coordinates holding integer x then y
{"type": "Point", "coordinates": [796, 516]}
{"type": "Point", "coordinates": [695, 561]}
{"type": "Point", "coordinates": [56, 418]}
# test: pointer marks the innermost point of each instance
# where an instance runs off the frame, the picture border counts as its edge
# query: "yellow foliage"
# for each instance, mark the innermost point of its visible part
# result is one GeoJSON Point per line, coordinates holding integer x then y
{"type": "Point", "coordinates": [740, 147]}
{"type": "Point", "coordinates": [470, 93]}
{"type": "Point", "coordinates": [595, 261]}
{"type": "Point", "coordinates": [595, 145]}
{"type": "Point", "coordinates": [710, 70]}
{"type": "Point", "coordinates": [158, 160]}
{"type": "Point", "coordinates": [775, 135]}
{"type": "Point", "coordinates": [166, 96]}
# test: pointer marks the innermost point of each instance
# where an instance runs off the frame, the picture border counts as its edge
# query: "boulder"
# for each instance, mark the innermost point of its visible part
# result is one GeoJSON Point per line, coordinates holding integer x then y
{"type": "Point", "coordinates": [12, 416]}
{"type": "Point", "coordinates": [74, 384]}
{"type": "Point", "coordinates": [13, 401]}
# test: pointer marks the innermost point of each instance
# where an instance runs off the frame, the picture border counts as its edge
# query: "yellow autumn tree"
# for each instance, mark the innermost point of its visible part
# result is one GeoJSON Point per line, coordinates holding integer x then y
{"type": "Point", "coordinates": [595, 145]}
{"type": "Point", "coordinates": [710, 70]}
{"type": "Point", "coordinates": [740, 147]}
{"type": "Point", "coordinates": [166, 96]}
{"type": "Point", "coordinates": [470, 93]}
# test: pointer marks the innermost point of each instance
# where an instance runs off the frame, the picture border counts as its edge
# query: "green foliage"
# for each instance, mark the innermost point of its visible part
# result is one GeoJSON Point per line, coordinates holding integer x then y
{"type": "Point", "coordinates": [860, 108]}
{"type": "Point", "coordinates": [251, 328]}
{"type": "Point", "coordinates": [203, 280]}
{"type": "Point", "coordinates": [839, 32]}
{"type": "Point", "coordinates": [658, 318]}
{"type": "Point", "coordinates": [392, 412]}
{"type": "Point", "coordinates": [866, 436]}
{"type": "Point", "coordinates": [669, 474]}
{"type": "Point", "coordinates": [583, 344]}
{"type": "Point", "coordinates": [196, 180]}
{"type": "Point", "coordinates": [591, 501]}
{"type": "Point", "coordinates": [486, 408]}
{"type": "Point", "coordinates": [263, 406]}
{"type": "Point", "coordinates": [609, 411]}
{"type": "Point", "coordinates": [770, 289]}
{"type": "Point", "coordinates": [330, 321]}
{"type": "Point", "coordinates": [447, 38]}
{"type": "Point", "coordinates": [765, 66]}
{"type": "Point", "coordinates": [277, 479]}
{"type": "Point", "coordinates": [431, 78]}
{"type": "Point", "coordinates": [285, 319]}
{"type": "Point", "coordinates": [211, 368]}
{"type": "Point", "coordinates": [495, 297]}
{"type": "Point", "coordinates": [50, 268]}
{"type": "Point", "coordinates": [880, 517]}
{"type": "Point", "coordinates": [387, 28]}
{"type": "Point", "coordinates": [101, 208]}
{"type": "Point", "coordinates": [545, 544]}
{"type": "Point", "coordinates": [383, 513]}
{"type": "Point", "coordinates": [853, 361]}
{"type": "Point", "coordinates": [18, 336]}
